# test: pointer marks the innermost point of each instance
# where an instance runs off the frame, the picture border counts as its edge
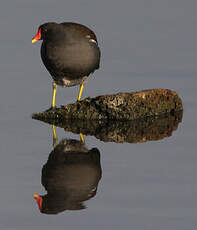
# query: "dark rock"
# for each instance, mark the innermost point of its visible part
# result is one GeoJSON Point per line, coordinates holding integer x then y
{"type": "Point", "coordinates": [121, 106]}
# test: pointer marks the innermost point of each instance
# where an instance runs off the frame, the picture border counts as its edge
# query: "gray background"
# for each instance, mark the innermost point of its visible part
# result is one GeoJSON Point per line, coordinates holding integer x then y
{"type": "Point", "coordinates": [145, 44]}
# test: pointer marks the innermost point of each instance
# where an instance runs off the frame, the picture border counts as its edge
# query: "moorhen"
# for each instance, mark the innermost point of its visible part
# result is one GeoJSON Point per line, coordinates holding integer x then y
{"type": "Point", "coordinates": [70, 53]}
{"type": "Point", "coordinates": [70, 177]}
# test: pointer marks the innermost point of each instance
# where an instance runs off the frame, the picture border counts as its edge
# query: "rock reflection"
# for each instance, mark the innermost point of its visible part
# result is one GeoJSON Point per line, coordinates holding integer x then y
{"type": "Point", "coordinates": [149, 129]}
{"type": "Point", "coordinates": [70, 177]}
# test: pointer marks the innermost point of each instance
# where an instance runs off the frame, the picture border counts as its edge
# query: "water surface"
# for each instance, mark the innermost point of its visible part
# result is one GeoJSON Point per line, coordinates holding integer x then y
{"type": "Point", "coordinates": [144, 44]}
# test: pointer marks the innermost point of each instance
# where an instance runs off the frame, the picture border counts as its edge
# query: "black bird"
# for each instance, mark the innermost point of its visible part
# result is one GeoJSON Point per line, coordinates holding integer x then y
{"type": "Point", "coordinates": [70, 53]}
{"type": "Point", "coordinates": [70, 177]}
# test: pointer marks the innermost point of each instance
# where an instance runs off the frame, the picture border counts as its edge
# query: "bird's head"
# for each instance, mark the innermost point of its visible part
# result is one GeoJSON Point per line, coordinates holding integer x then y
{"type": "Point", "coordinates": [46, 31]}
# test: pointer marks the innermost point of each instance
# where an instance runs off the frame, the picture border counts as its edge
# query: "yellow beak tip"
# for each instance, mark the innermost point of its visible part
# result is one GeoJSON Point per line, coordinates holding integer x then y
{"type": "Point", "coordinates": [33, 40]}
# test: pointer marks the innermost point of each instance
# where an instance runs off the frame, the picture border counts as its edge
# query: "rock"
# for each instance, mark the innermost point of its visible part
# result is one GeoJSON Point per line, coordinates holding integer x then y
{"type": "Point", "coordinates": [121, 106]}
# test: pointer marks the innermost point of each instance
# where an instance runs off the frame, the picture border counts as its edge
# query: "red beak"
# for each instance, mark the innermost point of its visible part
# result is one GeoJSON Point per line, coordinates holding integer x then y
{"type": "Point", "coordinates": [37, 37]}
{"type": "Point", "coordinates": [39, 201]}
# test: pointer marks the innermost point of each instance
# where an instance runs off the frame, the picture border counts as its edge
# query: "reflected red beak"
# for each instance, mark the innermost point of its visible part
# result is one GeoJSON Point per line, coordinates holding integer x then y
{"type": "Point", "coordinates": [39, 201]}
{"type": "Point", "coordinates": [37, 37]}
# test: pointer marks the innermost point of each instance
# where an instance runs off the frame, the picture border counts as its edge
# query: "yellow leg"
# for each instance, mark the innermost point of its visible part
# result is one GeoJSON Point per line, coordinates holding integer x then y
{"type": "Point", "coordinates": [82, 138]}
{"type": "Point", "coordinates": [55, 139]}
{"type": "Point", "coordinates": [54, 94]}
{"type": "Point", "coordinates": [80, 92]}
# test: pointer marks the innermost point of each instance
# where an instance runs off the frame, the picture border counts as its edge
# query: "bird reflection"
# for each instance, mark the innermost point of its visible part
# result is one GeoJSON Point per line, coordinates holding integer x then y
{"type": "Point", "coordinates": [70, 176]}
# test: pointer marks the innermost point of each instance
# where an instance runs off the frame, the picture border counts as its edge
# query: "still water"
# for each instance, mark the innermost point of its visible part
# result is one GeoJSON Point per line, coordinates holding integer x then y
{"type": "Point", "coordinates": [128, 176]}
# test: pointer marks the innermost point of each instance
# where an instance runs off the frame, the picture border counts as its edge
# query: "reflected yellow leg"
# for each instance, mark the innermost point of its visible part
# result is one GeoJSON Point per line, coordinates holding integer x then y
{"type": "Point", "coordinates": [82, 138]}
{"type": "Point", "coordinates": [80, 92]}
{"type": "Point", "coordinates": [55, 139]}
{"type": "Point", "coordinates": [54, 94]}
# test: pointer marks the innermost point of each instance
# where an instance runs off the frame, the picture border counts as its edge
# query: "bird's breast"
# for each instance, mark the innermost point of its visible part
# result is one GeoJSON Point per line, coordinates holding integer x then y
{"type": "Point", "coordinates": [80, 55]}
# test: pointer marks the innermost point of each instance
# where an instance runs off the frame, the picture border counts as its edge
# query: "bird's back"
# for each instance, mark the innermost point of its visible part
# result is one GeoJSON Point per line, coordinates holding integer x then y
{"type": "Point", "coordinates": [79, 31]}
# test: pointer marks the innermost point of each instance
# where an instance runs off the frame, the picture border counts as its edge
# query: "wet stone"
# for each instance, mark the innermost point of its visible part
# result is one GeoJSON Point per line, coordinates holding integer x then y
{"type": "Point", "coordinates": [121, 106]}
